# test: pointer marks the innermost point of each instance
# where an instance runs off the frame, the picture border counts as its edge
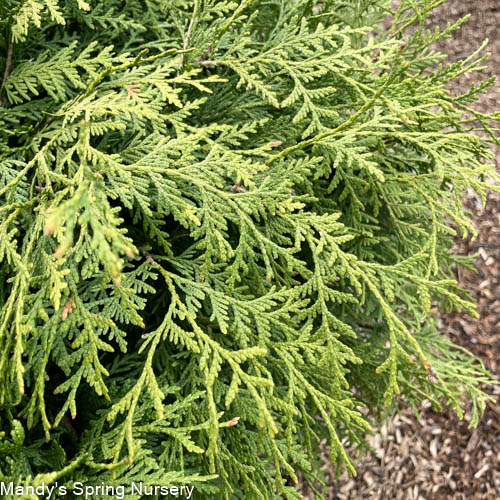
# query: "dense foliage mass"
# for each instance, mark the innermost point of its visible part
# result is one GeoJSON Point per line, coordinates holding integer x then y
{"type": "Point", "coordinates": [224, 235]}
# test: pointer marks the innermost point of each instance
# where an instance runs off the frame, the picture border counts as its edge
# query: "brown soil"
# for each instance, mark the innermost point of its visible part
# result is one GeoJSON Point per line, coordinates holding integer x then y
{"type": "Point", "coordinates": [438, 457]}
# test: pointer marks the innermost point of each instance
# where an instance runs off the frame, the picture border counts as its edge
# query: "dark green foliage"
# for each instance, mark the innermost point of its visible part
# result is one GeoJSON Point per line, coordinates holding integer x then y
{"type": "Point", "coordinates": [223, 226]}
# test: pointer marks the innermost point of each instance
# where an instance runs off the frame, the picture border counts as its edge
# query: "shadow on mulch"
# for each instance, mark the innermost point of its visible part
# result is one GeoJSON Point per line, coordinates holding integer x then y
{"type": "Point", "coordinates": [439, 457]}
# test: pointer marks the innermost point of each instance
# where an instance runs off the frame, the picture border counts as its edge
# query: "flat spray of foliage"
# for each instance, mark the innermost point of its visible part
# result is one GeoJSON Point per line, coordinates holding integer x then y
{"type": "Point", "coordinates": [225, 230]}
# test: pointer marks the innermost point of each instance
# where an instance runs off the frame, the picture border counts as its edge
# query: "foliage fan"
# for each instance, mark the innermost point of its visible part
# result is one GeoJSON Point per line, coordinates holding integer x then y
{"type": "Point", "coordinates": [224, 234]}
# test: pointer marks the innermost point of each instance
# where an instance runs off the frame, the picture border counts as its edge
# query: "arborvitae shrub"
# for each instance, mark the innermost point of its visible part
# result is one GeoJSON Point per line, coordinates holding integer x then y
{"type": "Point", "coordinates": [225, 231]}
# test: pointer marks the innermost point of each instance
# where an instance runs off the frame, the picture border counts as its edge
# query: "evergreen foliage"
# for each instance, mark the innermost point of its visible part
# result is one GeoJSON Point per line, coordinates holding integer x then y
{"type": "Point", "coordinates": [225, 228]}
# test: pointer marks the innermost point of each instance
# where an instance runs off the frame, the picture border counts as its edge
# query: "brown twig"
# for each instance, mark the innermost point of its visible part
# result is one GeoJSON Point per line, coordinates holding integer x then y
{"type": "Point", "coordinates": [7, 68]}
{"type": "Point", "coordinates": [237, 188]}
{"type": "Point", "coordinates": [207, 62]}
{"type": "Point", "coordinates": [189, 31]}
{"type": "Point", "coordinates": [150, 259]}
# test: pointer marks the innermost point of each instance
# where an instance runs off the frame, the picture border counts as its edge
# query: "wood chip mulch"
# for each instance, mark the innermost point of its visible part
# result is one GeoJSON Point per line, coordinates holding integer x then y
{"type": "Point", "coordinates": [439, 457]}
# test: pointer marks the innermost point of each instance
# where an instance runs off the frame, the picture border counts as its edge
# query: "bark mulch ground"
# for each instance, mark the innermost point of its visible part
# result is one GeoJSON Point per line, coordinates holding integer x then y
{"type": "Point", "coordinates": [439, 457]}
